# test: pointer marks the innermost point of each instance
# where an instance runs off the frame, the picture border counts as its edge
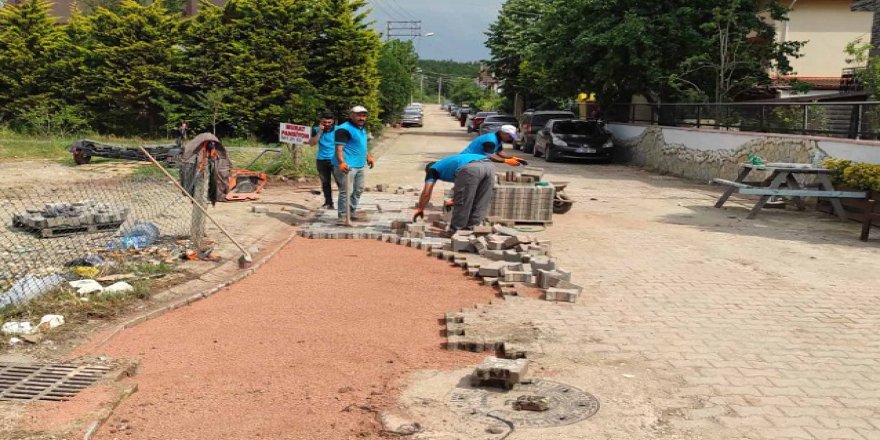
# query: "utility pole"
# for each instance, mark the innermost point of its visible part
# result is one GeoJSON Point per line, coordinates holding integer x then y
{"type": "Point", "coordinates": [440, 90]}
{"type": "Point", "coordinates": [422, 86]}
{"type": "Point", "coordinates": [406, 29]}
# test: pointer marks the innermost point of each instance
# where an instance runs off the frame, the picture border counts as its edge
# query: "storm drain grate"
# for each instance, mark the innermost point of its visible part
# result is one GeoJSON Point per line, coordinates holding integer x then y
{"type": "Point", "coordinates": [55, 382]}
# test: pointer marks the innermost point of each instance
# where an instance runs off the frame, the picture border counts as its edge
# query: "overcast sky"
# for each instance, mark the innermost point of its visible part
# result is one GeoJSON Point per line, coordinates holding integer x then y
{"type": "Point", "coordinates": [458, 25]}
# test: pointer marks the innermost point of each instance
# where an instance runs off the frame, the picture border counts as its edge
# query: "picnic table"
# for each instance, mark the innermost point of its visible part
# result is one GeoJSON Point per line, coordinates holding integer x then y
{"type": "Point", "coordinates": [783, 183]}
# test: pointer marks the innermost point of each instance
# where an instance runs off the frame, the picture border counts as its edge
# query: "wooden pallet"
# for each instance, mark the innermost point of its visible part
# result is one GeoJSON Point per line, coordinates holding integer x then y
{"type": "Point", "coordinates": [65, 230]}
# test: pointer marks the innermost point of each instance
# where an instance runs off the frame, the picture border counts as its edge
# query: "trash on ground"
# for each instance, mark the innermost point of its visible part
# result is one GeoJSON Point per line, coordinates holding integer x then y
{"type": "Point", "coordinates": [30, 287]}
{"type": "Point", "coordinates": [138, 236]}
{"type": "Point", "coordinates": [14, 341]}
{"type": "Point", "coordinates": [85, 271]}
{"type": "Point", "coordinates": [17, 328]}
{"type": "Point", "coordinates": [48, 322]}
{"type": "Point", "coordinates": [116, 277]}
{"type": "Point", "coordinates": [120, 287]}
{"type": "Point", "coordinates": [90, 261]}
{"type": "Point", "coordinates": [86, 287]}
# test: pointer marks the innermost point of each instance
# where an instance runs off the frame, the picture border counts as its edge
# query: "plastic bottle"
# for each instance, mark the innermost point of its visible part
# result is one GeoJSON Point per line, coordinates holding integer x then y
{"type": "Point", "coordinates": [138, 236]}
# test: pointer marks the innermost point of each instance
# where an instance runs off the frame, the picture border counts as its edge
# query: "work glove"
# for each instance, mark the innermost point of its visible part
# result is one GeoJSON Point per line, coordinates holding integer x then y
{"type": "Point", "coordinates": [343, 167]}
{"type": "Point", "coordinates": [420, 213]}
{"type": "Point", "coordinates": [515, 161]}
{"type": "Point", "coordinates": [370, 161]}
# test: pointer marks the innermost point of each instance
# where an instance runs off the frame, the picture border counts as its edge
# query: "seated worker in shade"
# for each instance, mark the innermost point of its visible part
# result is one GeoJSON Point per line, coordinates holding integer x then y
{"type": "Point", "coordinates": [490, 145]}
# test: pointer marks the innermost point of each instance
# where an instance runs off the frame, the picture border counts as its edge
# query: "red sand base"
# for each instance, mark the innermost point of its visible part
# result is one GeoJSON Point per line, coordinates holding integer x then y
{"type": "Point", "coordinates": [307, 348]}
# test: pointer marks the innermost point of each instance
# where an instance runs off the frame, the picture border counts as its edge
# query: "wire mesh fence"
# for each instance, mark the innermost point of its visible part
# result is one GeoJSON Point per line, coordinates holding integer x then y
{"type": "Point", "coordinates": [52, 234]}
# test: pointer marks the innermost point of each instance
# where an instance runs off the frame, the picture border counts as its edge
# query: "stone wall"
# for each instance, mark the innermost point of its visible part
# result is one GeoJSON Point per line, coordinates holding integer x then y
{"type": "Point", "coordinates": [712, 154]}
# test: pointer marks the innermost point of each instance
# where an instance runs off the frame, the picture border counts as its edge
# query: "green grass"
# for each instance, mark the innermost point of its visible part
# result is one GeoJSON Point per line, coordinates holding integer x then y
{"type": "Point", "coordinates": [18, 146]}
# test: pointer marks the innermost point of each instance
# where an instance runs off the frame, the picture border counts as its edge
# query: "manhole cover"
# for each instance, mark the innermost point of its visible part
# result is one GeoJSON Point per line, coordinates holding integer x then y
{"type": "Point", "coordinates": [567, 404]}
{"type": "Point", "coordinates": [46, 381]}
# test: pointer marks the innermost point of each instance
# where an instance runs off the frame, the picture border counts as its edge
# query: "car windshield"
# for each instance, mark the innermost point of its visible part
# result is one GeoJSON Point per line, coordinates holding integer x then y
{"type": "Point", "coordinates": [540, 120]}
{"type": "Point", "coordinates": [411, 113]}
{"type": "Point", "coordinates": [500, 120]}
{"type": "Point", "coordinates": [575, 127]}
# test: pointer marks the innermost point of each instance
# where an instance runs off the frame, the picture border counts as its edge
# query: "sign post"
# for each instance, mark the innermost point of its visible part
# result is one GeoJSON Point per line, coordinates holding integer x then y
{"type": "Point", "coordinates": [294, 136]}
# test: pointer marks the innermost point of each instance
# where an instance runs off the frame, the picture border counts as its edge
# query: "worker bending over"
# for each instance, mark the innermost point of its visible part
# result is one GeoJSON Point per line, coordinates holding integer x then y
{"type": "Point", "coordinates": [474, 178]}
{"type": "Point", "coordinates": [490, 145]}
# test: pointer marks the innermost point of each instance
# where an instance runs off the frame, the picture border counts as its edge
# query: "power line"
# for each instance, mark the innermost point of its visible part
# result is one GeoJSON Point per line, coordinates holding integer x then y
{"type": "Point", "coordinates": [403, 10]}
{"type": "Point", "coordinates": [384, 11]}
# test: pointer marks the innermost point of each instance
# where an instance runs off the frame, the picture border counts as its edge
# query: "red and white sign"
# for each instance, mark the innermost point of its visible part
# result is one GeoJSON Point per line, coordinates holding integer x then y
{"type": "Point", "coordinates": [294, 134]}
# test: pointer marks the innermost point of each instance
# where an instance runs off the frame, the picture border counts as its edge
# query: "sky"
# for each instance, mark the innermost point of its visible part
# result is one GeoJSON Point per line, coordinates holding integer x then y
{"type": "Point", "coordinates": [459, 26]}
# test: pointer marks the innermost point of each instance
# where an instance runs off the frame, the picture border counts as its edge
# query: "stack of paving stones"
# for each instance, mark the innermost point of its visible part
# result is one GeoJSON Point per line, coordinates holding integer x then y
{"type": "Point", "coordinates": [518, 199]}
{"type": "Point", "coordinates": [58, 219]}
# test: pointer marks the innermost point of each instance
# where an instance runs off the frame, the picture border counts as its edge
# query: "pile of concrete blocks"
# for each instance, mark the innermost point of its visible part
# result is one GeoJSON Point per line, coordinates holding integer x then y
{"type": "Point", "coordinates": [71, 218]}
{"type": "Point", "coordinates": [525, 176]}
{"type": "Point", "coordinates": [523, 203]}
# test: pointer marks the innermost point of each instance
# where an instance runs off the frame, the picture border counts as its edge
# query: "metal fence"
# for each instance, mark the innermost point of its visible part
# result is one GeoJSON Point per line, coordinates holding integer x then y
{"type": "Point", "coordinates": [854, 120]}
{"type": "Point", "coordinates": [54, 234]}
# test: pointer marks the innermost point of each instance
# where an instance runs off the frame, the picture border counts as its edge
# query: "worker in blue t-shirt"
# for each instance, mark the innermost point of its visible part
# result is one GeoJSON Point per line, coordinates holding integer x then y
{"type": "Point", "coordinates": [474, 178]}
{"type": "Point", "coordinates": [324, 136]}
{"type": "Point", "coordinates": [490, 145]}
{"type": "Point", "coordinates": [351, 157]}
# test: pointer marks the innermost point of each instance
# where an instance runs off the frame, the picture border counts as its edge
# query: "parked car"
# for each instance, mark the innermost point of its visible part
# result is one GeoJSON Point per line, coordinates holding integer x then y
{"type": "Point", "coordinates": [574, 138]}
{"type": "Point", "coordinates": [415, 109]}
{"type": "Point", "coordinates": [465, 108]}
{"type": "Point", "coordinates": [473, 123]}
{"type": "Point", "coordinates": [452, 109]}
{"type": "Point", "coordinates": [531, 122]}
{"type": "Point", "coordinates": [493, 123]}
{"type": "Point", "coordinates": [412, 117]}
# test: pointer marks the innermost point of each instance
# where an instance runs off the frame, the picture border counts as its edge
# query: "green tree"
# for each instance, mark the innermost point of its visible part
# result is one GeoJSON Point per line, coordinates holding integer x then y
{"type": "Point", "coordinates": [511, 40]}
{"type": "Point", "coordinates": [256, 49]}
{"type": "Point", "coordinates": [397, 62]}
{"type": "Point", "coordinates": [128, 61]}
{"type": "Point", "coordinates": [664, 49]}
{"type": "Point", "coordinates": [32, 52]}
{"type": "Point", "coordinates": [342, 57]}
{"type": "Point", "coordinates": [465, 91]}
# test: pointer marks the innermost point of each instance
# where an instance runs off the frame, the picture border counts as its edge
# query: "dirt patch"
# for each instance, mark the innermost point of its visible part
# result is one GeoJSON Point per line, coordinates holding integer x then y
{"type": "Point", "coordinates": [74, 413]}
{"type": "Point", "coordinates": [311, 346]}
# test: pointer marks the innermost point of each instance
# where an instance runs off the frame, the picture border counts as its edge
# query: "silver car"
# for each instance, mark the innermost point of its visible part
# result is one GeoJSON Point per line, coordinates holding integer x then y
{"type": "Point", "coordinates": [412, 117]}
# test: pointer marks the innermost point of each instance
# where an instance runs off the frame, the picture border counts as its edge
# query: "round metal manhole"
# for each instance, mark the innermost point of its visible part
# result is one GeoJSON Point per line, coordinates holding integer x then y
{"type": "Point", "coordinates": [567, 404]}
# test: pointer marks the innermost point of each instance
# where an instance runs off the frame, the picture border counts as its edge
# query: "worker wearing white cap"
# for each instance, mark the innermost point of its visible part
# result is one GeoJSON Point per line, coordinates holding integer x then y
{"type": "Point", "coordinates": [490, 145]}
{"type": "Point", "coordinates": [351, 157]}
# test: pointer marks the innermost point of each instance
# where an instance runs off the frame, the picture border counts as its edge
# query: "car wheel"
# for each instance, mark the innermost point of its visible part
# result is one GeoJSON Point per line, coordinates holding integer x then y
{"type": "Point", "coordinates": [552, 156]}
{"type": "Point", "coordinates": [536, 152]}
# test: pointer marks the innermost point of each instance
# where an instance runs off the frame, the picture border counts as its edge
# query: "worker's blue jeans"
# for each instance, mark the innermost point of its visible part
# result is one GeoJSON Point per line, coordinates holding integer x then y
{"type": "Point", "coordinates": [357, 176]}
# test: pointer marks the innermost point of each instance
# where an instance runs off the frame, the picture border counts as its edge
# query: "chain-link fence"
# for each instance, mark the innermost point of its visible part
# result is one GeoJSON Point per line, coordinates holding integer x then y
{"type": "Point", "coordinates": [52, 234]}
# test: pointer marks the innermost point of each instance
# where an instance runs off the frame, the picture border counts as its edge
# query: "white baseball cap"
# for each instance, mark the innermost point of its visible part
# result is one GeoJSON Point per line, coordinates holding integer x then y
{"type": "Point", "coordinates": [359, 109]}
{"type": "Point", "coordinates": [509, 129]}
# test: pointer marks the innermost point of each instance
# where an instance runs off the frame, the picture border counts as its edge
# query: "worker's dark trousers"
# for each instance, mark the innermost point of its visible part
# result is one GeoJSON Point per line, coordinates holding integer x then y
{"type": "Point", "coordinates": [325, 171]}
{"type": "Point", "coordinates": [472, 194]}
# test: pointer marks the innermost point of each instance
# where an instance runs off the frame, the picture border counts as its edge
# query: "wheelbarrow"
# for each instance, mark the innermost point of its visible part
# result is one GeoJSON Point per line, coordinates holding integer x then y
{"type": "Point", "coordinates": [561, 202]}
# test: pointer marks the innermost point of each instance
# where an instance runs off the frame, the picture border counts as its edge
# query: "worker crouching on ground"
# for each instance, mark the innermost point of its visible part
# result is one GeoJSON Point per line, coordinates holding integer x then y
{"type": "Point", "coordinates": [349, 161]}
{"type": "Point", "coordinates": [474, 178]}
{"type": "Point", "coordinates": [491, 144]}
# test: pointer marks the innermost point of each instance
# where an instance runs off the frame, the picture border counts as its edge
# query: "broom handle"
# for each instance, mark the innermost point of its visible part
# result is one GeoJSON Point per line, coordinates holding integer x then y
{"type": "Point", "coordinates": [191, 198]}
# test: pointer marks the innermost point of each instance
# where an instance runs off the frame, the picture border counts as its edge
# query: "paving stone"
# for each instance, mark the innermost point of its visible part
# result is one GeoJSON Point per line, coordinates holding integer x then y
{"type": "Point", "coordinates": [497, 371]}
{"type": "Point", "coordinates": [564, 295]}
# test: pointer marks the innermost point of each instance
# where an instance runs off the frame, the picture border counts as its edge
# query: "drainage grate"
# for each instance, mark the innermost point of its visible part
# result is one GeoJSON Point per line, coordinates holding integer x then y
{"type": "Point", "coordinates": [46, 381]}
